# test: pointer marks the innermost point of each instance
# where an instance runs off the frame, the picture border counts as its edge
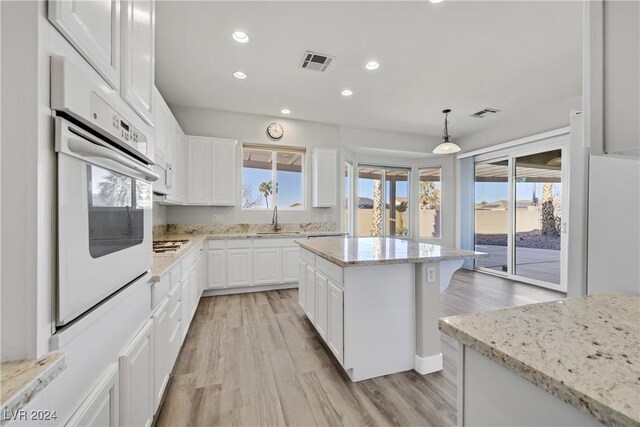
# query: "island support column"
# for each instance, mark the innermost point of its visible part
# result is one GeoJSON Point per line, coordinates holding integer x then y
{"type": "Point", "coordinates": [428, 356]}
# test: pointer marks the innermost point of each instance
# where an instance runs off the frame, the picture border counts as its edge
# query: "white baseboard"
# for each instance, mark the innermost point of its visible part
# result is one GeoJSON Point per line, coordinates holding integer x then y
{"type": "Point", "coordinates": [261, 288]}
{"type": "Point", "coordinates": [427, 365]}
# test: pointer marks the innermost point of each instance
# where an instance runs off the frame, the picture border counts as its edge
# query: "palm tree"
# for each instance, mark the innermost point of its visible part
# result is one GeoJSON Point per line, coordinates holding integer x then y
{"type": "Point", "coordinates": [401, 208]}
{"type": "Point", "coordinates": [549, 226]}
{"type": "Point", "coordinates": [266, 188]}
{"type": "Point", "coordinates": [115, 190]}
{"type": "Point", "coordinates": [376, 218]}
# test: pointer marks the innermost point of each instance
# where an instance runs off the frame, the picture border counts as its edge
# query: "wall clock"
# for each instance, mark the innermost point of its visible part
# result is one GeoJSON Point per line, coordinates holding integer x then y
{"type": "Point", "coordinates": [275, 131]}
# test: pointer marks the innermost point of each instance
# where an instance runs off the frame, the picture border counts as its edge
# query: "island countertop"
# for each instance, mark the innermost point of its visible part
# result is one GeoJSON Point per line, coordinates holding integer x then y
{"type": "Point", "coordinates": [360, 251]}
{"type": "Point", "coordinates": [583, 350]}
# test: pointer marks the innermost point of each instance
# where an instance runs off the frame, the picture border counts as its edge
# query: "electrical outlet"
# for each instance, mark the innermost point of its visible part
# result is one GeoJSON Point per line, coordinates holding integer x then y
{"type": "Point", "coordinates": [217, 219]}
{"type": "Point", "coordinates": [431, 274]}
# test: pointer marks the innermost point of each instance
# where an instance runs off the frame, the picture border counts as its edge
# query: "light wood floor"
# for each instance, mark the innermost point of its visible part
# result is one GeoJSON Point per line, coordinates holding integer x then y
{"type": "Point", "coordinates": [255, 360]}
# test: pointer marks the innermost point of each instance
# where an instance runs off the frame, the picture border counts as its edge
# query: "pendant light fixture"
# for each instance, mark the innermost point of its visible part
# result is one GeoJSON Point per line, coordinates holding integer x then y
{"type": "Point", "coordinates": [446, 146]}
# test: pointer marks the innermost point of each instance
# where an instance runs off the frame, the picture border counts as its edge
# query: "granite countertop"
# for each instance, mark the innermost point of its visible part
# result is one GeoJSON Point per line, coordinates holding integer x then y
{"type": "Point", "coordinates": [584, 350]}
{"type": "Point", "coordinates": [163, 262]}
{"type": "Point", "coordinates": [360, 251]}
{"type": "Point", "coordinates": [22, 380]}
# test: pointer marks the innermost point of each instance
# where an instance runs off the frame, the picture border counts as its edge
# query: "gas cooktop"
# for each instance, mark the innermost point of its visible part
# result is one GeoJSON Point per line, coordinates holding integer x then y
{"type": "Point", "coordinates": [168, 247]}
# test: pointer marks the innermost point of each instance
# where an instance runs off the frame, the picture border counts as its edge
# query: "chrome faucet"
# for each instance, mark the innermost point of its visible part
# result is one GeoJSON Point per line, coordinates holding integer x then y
{"type": "Point", "coordinates": [274, 219]}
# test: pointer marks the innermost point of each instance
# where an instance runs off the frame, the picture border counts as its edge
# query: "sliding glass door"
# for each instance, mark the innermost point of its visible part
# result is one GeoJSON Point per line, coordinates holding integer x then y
{"type": "Point", "coordinates": [538, 219]}
{"type": "Point", "coordinates": [492, 214]}
{"type": "Point", "coordinates": [383, 201]}
{"type": "Point", "coordinates": [518, 217]}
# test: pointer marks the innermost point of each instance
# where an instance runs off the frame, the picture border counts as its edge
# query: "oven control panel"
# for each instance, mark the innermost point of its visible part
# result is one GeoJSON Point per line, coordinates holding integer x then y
{"type": "Point", "coordinates": [110, 120]}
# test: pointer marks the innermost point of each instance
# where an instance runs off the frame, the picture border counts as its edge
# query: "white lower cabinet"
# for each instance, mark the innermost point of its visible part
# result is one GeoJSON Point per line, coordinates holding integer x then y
{"type": "Point", "coordinates": [310, 293]}
{"type": "Point", "coordinates": [290, 258]}
{"type": "Point", "coordinates": [266, 266]}
{"type": "Point", "coordinates": [302, 288]}
{"type": "Point", "coordinates": [161, 352]}
{"type": "Point", "coordinates": [335, 332]}
{"type": "Point", "coordinates": [239, 267]}
{"type": "Point", "coordinates": [174, 339]}
{"type": "Point", "coordinates": [322, 305]}
{"type": "Point", "coordinates": [101, 407]}
{"type": "Point", "coordinates": [136, 379]}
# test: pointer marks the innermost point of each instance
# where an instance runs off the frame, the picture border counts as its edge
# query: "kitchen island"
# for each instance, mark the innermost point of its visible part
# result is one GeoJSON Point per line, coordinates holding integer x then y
{"type": "Point", "coordinates": [569, 362]}
{"type": "Point", "coordinates": [375, 301]}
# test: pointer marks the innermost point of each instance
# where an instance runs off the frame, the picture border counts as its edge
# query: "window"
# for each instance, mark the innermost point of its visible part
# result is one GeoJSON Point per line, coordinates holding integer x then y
{"type": "Point", "coordinates": [373, 219]}
{"type": "Point", "coordinates": [272, 178]}
{"type": "Point", "coordinates": [429, 197]}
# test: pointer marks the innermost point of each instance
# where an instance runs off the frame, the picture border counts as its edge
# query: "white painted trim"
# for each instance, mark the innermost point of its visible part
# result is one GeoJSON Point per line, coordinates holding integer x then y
{"type": "Point", "coordinates": [247, 289]}
{"type": "Point", "coordinates": [427, 365]}
{"type": "Point", "coordinates": [533, 138]}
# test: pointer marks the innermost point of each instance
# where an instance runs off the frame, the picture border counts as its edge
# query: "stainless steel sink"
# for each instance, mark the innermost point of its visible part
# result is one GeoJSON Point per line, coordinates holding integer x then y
{"type": "Point", "coordinates": [277, 232]}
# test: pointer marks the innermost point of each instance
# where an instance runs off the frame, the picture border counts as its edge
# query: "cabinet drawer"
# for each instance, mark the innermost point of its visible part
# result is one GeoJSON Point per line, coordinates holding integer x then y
{"type": "Point", "coordinates": [216, 244]}
{"type": "Point", "coordinates": [239, 244]}
{"type": "Point", "coordinates": [330, 270]}
{"type": "Point", "coordinates": [264, 242]}
{"type": "Point", "coordinates": [308, 257]}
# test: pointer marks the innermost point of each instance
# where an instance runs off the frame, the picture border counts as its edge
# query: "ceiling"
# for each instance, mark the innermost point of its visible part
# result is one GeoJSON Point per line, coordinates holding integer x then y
{"type": "Point", "coordinates": [514, 56]}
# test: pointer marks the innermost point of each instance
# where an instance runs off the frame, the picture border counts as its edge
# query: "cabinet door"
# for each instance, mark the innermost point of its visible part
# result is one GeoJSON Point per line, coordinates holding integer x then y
{"type": "Point", "coordinates": [101, 407]}
{"type": "Point", "coordinates": [136, 379]}
{"type": "Point", "coordinates": [335, 332]}
{"type": "Point", "coordinates": [185, 319]}
{"type": "Point", "coordinates": [310, 294]}
{"type": "Point", "coordinates": [325, 175]}
{"type": "Point", "coordinates": [322, 305]}
{"type": "Point", "coordinates": [239, 267]}
{"type": "Point", "coordinates": [266, 266]}
{"type": "Point", "coordinates": [175, 326]}
{"type": "Point", "coordinates": [223, 170]}
{"type": "Point", "coordinates": [217, 277]}
{"type": "Point", "coordinates": [93, 28]}
{"type": "Point", "coordinates": [159, 125]}
{"type": "Point", "coordinates": [302, 273]}
{"type": "Point", "coordinates": [290, 259]}
{"type": "Point", "coordinates": [199, 171]}
{"type": "Point", "coordinates": [161, 368]}
{"type": "Point", "coordinates": [138, 55]}
{"type": "Point", "coordinates": [195, 288]}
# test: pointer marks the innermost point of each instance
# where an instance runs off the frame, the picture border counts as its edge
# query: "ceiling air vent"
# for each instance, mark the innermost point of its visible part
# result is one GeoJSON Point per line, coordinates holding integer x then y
{"type": "Point", "coordinates": [483, 113]}
{"type": "Point", "coordinates": [316, 61]}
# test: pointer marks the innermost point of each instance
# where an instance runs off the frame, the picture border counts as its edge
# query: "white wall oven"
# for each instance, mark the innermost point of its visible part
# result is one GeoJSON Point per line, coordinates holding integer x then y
{"type": "Point", "coordinates": [104, 201]}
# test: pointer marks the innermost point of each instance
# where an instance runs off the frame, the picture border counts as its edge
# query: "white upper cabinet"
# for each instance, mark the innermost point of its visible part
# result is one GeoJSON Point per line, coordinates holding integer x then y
{"type": "Point", "coordinates": [93, 28]}
{"type": "Point", "coordinates": [325, 177]}
{"type": "Point", "coordinates": [159, 123]}
{"type": "Point", "coordinates": [138, 55]}
{"type": "Point", "coordinates": [198, 170]}
{"type": "Point", "coordinates": [223, 172]}
{"type": "Point", "coordinates": [211, 171]}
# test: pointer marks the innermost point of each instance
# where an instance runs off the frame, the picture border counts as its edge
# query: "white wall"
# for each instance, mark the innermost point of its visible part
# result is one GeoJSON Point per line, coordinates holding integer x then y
{"type": "Point", "coordinates": [614, 230]}
{"type": "Point", "coordinates": [251, 128]}
{"type": "Point", "coordinates": [520, 124]}
{"type": "Point", "coordinates": [19, 178]}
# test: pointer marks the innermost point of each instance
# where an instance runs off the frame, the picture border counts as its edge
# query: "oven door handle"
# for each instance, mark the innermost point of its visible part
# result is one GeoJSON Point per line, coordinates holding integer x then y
{"type": "Point", "coordinates": [83, 148]}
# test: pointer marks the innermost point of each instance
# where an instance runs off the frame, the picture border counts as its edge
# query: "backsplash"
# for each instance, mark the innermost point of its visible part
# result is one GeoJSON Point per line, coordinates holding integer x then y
{"type": "Point", "coordinates": [239, 228]}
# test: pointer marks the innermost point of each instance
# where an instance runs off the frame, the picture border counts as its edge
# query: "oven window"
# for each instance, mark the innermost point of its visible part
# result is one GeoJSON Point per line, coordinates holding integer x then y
{"type": "Point", "coordinates": [116, 211]}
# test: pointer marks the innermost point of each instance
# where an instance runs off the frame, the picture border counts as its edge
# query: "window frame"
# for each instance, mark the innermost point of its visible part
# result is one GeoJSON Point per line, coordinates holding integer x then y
{"type": "Point", "coordinates": [383, 177]}
{"type": "Point", "coordinates": [274, 173]}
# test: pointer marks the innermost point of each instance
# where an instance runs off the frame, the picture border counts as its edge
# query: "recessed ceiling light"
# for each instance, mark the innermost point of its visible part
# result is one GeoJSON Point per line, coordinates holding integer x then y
{"type": "Point", "coordinates": [240, 37]}
{"type": "Point", "coordinates": [239, 75]}
{"type": "Point", "coordinates": [372, 65]}
{"type": "Point", "coordinates": [347, 92]}
{"type": "Point", "coordinates": [436, 1]}
{"type": "Point", "coordinates": [285, 111]}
